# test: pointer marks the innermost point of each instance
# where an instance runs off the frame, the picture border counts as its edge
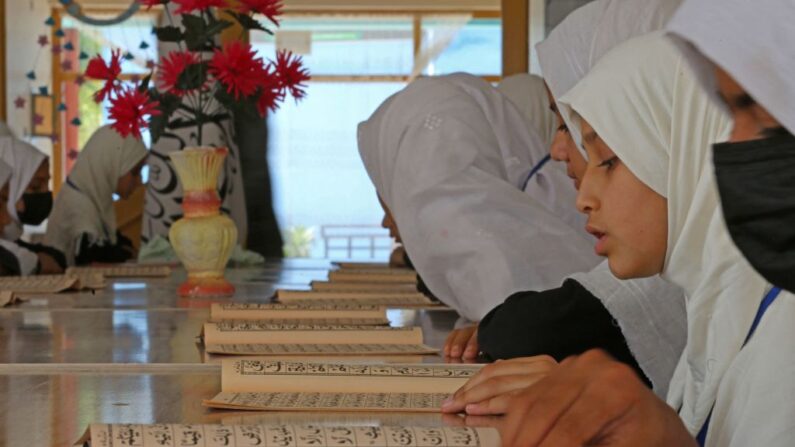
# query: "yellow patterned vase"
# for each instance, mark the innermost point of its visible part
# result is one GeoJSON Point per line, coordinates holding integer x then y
{"type": "Point", "coordinates": [204, 238]}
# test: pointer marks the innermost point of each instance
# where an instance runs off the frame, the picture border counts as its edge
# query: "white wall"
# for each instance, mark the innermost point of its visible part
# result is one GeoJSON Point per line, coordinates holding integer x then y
{"type": "Point", "coordinates": [24, 23]}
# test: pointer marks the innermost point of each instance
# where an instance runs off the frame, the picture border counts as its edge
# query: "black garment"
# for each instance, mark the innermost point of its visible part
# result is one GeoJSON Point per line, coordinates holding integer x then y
{"type": "Point", "coordinates": [106, 253]}
{"type": "Point", "coordinates": [56, 254]}
{"type": "Point", "coordinates": [9, 265]}
{"type": "Point", "coordinates": [558, 322]}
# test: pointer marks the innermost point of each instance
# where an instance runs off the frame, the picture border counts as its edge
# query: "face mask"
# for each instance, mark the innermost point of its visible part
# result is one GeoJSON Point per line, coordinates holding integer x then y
{"type": "Point", "coordinates": [756, 181]}
{"type": "Point", "coordinates": [37, 207]}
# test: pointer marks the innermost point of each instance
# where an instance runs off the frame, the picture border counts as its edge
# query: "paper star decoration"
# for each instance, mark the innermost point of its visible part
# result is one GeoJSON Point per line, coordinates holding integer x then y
{"type": "Point", "coordinates": [76, 122]}
{"type": "Point", "coordinates": [143, 45]}
{"type": "Point", "coordinates": [61, 107]}
{"type": "Point", "coordinates": [43, 90]}
{"type": "Point", "coordinates": [66, 65]}
{"type": "Point", "coordinates": [37, 119]}
{"type": "Point", "coordinates": [150, 64]}
{"type": "Point", "coordinates": [72, 154]}
{"type": "Point", "coordinates": [31, 75]}
{"type": "Point", "coordinates": [54, 138]}
{"type": "Point", "coordinates": [69, 46]}
{"type": "Point", "coordinates": [83, 55]}
{"type": "Point", "coordinates": [19, 102]}
{"type": "Point", "coordinates": [59, 33]}
{"type": "Point", "coordinates": [56, 49]}
{"type": "Point", "coordinates": [128, 56]}
{"type": "Point", "coordinates": [80, 80]}
{"type": "Point", "coordinates": [50, 21]}
{"type": "Point", "coordinates": [43, 40]}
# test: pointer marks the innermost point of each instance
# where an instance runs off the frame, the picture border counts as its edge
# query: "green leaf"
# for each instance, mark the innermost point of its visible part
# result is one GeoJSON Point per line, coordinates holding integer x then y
{"type": "Point", "coordinates": [144, 86]}
{"type": "Point", "coordinates": [193, 77]}
{"type": "Point", "coordinates": [200, 34]}
{"type": "Point", "coordinates": [168, 33]}
{"type": "Point", "coordinates": [168, 105]}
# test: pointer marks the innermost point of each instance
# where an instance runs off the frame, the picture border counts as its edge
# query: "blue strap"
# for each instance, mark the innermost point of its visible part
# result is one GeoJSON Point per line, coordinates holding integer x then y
{"type": "Point", "coordinates": [766, 302]}
{"type": "Point", "coordinates": [535, 169]}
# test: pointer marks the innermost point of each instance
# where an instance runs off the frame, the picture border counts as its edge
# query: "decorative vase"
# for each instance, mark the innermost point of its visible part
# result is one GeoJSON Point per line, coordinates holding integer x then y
{"type": "Point", "coordinates": [204, 238]}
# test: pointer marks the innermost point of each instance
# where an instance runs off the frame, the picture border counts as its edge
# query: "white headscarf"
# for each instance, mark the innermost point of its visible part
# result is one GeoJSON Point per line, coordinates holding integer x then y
{"type": "Point", "coordinates": [645, 101]}
{"type": "Point", "coordinates": [585, 35]}
{"type": "Point", "coordinates": [448, 156]}
{"type": "Point", "coordinates": [24, 159]}
{"type": "Point", "coordinates": [5, 173]}
{"type": "Point", "coordinates": [528, 93]}
{"type": "Point", "coordinates": [752, 40]}
{"type": "Point", "coordinates": [84, 205]}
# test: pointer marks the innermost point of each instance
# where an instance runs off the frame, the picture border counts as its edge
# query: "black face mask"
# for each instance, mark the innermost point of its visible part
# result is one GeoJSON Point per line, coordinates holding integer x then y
{"type": "Point", "coordinates": [37, 207]}
{"type": "Point", "coordinates": [756, 180]}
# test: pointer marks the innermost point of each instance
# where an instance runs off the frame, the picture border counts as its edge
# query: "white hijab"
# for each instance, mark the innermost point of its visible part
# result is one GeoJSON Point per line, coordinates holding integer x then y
{"type": "Point", "coordinates": [585, 35]}
{"type": "Point", "coordinates": [646, 102]}
{"type": "Point", "coordinates": [650, 311]}
{"type": "Point", "coordinates": [528, 93]}
{"type": "Point", "coordinates": [752, 40]}
{"type": "Point", "coordinates": [448, 156]}
{"type": "Point", "coordinates": [84, 205]}
{"type": "Point", "coordinates": [24, 159]}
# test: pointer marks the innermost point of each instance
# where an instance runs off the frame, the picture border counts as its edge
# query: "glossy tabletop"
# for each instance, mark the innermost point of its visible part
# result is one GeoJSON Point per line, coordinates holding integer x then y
{"type": "Point", "coordinates": [129, 353]}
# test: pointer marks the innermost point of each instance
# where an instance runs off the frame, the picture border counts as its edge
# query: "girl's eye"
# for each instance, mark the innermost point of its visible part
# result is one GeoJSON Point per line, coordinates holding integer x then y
{"type": "Point", "coordinates": [563, 128]}
{"type": "Point", "coordinates": [609, 163]}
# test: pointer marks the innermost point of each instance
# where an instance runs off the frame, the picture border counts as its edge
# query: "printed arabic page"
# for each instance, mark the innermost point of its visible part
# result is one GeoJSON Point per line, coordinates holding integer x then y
{"type": "Point", "coordinates": [288, 295]}
{"type": "Point", "coordinates": [123, 271]}
{"type": "Point", "coordinates": [178, 435]}
{"type": "Point", "coordinates": [372, 287]}
{"type": "Point", "coordinates": [258, 375]}
{"type": "Point", "coordinates": [255, 311]}
{"type": "Point", "coordinates": [264, 333]}
{"type": "Point", "coordinates": [37, 284]}
{"type": "Point", "coordinates": [372, 277]}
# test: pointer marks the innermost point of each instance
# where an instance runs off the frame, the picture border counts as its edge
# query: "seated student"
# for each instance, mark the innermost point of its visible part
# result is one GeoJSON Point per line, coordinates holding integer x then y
{"type": "Point", "coordinates": [9, 264]}
{"type": "Point", "coordinates": [30, 203]}
{"type": "Point", "coordinates": [83, 221]}
{"type": "Point", "coordinates": [640, 322]}
{"type": "Point", "coordinates": [734, 384]}
{"type": "Point", "coordinates": [448, 157]}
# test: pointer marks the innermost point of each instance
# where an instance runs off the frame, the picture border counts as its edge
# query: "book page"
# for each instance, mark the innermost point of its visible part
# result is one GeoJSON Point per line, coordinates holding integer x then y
{"type": "Point", "coordinates": [371, 287]}
{"type": "Point", "coordinates": [180, 435]}
{"type": "Point", "coordinates": [317, 321]}
{"type": "Point", "coordinates": [255, 311]}
{"type": "Point", "coordinates": [386, 301]}
{"type": "Point", "coordinates": [37, 284]}
{"type": "Point", "coordinates": [253, 332]}
{"type": "Point", "coordinates": [362, 265]}
{"type": "Point", "coordinates": [89, 281]}
{"type": "Point", "coordinates": [7, 298]}
{"type": "Point", "coordinates": [256, 375]}
{"type": "Point", "coordinates": [285, 295]}
{"type": "Point", "coordinates": [289, 349]}
{"type": "Point", "coordinates": [313, 401]}
{"type": "Point", "coordinates": [373, 276]}
{"type": "Point", "coordinates": [124, 271]}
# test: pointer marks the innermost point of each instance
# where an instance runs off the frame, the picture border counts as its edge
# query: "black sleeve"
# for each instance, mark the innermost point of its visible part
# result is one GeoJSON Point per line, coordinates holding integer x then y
{"type": "Point", "coordinates": [9, 265]}
{"type": "Point", "coordinates": [41, 248]}
{"type": "Point", "coordinates": [106, 253]}
{"type": "Point", "coordinates": [559, 322]}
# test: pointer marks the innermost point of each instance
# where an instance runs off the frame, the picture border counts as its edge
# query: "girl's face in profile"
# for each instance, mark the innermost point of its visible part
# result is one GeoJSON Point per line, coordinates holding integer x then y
{"type": "Point", "coordinates": [564, 149]}
{"type": "Point", "coordinates": [627, 217]}
{"type": "Point", "coordinates": [129, 182]}
{"type": "Point", "coordinates": [389, 223]}
{"type": "Point", "coordinates": [751, 120]}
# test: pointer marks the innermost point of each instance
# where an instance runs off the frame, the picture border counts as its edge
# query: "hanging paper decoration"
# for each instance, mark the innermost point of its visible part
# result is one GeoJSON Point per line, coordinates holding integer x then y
{"type": "Point", "coordinates": [60, 33]}
{"type": "Point", "coordinates": [143, 45]}
{"type": "Point", "coordinates": [80, 80]}
{"type": "Point", "coordinates": [72, 154]}
{"type": "Point", "coordinates": [54, 138]}
{"type": "Point", "coordinates": [31, 75]}
{"type": "Point", "coordinates": [37, 119]}
{"type": "Point", "coordinates": [44, 90]}
{"type": "Point", "coordinates": [76, 122]}
{"type": "Point", "coordinates": [50, 21]}
{"type": "Point", "coordinates": [66, 65]}
{"type": "Point", "coordinates": [83, 55]}
{"type": "Point", "coordinates": [56, 49]}
{"type": "Point", "coordinates": [61, 107]}
{"type": "Point", "coordinates": [128, 56]}
{"type": "Point", "coordinates": [19, 102]}
{"type": "Point", "coordinates": [69, 46]}
{"type": "Point", "coordinates": [43, 40]}
{"type": "Point", "coordinates": [150, 64]}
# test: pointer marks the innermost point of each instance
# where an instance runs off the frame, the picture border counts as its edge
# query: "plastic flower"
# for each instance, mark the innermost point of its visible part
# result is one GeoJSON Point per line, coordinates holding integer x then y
{"type": "Point", "coordinates": [238, 69]}
{"type": "Point", "coordinates": [129, 109]}
{"type": "Point", "coordinates": [269, 8]}
{"type": "Point", "coordinates": [186, 6]}
{"type": "Point", "coordinates": [271, 93]}
{"type": "Point", "coordinates": [172, 67]}
{"type": "Point", "coordinates": [292, 73]}
{"type": "Point", "coordinates": [108, 72]}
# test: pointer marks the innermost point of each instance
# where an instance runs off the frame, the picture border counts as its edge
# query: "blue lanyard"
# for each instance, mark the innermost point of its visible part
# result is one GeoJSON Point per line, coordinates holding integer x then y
{"type": "Point", "coordinates": [535, 169]}
{"type": "Point", "coordinates": [766, 302]}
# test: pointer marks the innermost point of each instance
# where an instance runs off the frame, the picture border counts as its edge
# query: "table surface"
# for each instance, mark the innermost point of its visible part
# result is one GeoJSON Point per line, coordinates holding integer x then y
{"type": "Point", "coordinates": [129, 354]}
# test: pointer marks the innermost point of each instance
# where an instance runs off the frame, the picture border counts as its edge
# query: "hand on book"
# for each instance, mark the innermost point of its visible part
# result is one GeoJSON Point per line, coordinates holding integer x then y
{"type": "Point", "coordinates": [462, 343]}
{"type": "Point", "coordinates": [490, 391]}
{"type": "Point", "coordinates": [592, 400]}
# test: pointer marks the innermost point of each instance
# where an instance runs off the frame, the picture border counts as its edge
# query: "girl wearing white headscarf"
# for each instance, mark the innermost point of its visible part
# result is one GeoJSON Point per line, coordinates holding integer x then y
{"type": "Point", "coordinates": [649, 313]}
{"type": "Point", "coordinates": [664, 141]}
{"type": "Point", "coordinates": [29, 202]}
{"type": "Point", "coordinates": [83, 221]}
{"type": "Point", "coordinates": [448, 157]}
{"type": "Point", "coordinates": [9, 263]}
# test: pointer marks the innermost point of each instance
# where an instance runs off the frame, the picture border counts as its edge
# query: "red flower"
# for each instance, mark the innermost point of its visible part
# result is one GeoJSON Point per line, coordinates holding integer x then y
{"type": "Point", "coordinates": [237, 68]}
{"type": "Point", "coordinates": [271, 92]}
{"type": "Point", "coordinates": [186, 6]}
{"type": "Point", "coordinates": [128, 110]}
{"type": "Point", "coordinates": [150, 3]}
{"type": "Point", "coordinates": [269, 8]}
{"type": "Point", "coordinates": [172, 67]}
{"type": "Point", "coordinates": [98, 69]}
{"type": "Point", "coordinates": [292, 73]}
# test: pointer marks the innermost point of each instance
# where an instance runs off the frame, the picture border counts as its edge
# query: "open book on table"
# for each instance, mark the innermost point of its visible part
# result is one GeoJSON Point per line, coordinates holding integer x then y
{"type": "Point", "coordinates": [404, 299]}
{"type": "Point", "coordinates": [388, 276]}
{"type": "Point", "coordinates": [328, 313]}
{"type": "Point", "coordinates": [322, 386]}
{"type": "Point", "coordinates": [180, 435]}
{"type": "Point", "coordinates": [371, 287]}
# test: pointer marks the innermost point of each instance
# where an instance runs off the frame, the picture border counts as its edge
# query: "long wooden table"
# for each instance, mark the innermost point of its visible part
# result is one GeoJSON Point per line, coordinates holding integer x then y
{"type": "Point", "coordinates": [128, 353]}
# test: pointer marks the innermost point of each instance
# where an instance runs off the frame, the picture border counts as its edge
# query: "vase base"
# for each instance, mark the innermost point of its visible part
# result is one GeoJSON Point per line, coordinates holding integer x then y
{"type": "Point", "coordinates": [206, 287]}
